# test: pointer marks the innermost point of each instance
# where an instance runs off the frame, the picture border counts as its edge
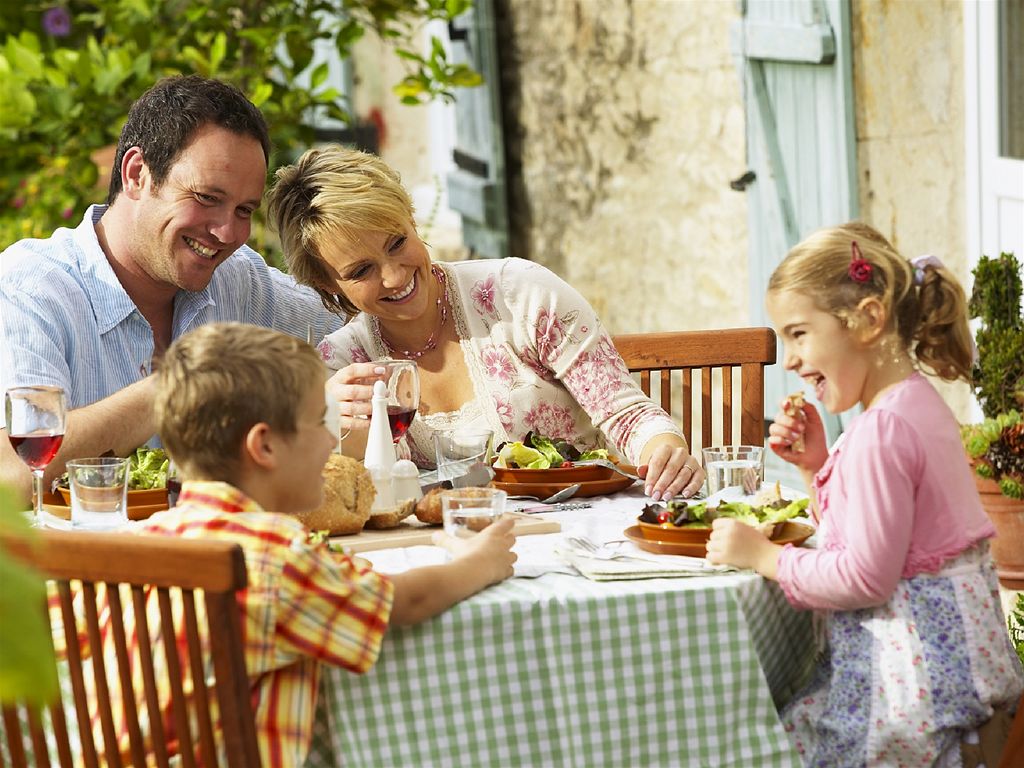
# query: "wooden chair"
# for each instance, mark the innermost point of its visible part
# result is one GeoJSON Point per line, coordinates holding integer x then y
{"type": "Point", "coordinates": [167, 588]}
{"type": "Point", "coordinates": [667, 364]}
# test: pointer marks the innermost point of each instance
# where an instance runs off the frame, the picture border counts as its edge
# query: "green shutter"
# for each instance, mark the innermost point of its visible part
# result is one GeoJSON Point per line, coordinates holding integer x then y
{"type": "Point", "coordinates": [795, 61]}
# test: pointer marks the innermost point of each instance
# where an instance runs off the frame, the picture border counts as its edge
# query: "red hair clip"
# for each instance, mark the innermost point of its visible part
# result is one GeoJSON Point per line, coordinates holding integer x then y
{"type": "Point", "coordinates": [860, 268]}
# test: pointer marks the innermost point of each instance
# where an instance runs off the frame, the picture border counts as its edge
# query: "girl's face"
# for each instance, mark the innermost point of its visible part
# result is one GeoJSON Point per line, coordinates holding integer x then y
{"type": "Point", "coordinates": [386, 275]}
{"type": "Point", "coordinates": [822, 351]}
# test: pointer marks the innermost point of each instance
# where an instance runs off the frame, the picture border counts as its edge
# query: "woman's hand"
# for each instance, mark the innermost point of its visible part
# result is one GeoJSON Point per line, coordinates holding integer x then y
{"type": "Point", "coordinates": [792, 423]}
{"type": "Point", "coordinates": [670, 471]}
{"type": "Point", "coordinates": [352, 388]}
{"type": "Point", "coordinates": [735, 543]}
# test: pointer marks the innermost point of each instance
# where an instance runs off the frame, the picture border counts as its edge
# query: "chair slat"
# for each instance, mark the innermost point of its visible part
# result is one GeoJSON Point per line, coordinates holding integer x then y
{"type": "Point", "coordinates": [35, 729]}
{"type": "Point", "coordinates": [206, 744]}
{"type": "Point", "coordinates": [15, 738]}
{"type": "Point", "coordinates": [74, 654]}
{"type": "Point", "coordinates": [124, 670]}
{"type": "Point", "coordinates": [728, 437]}
{"type": "Point", "coordinates": [169, 638]}
{"type": "Point", "coordinates": [99, 669]}
{"type": "Point", "coordinates": [156, 720]}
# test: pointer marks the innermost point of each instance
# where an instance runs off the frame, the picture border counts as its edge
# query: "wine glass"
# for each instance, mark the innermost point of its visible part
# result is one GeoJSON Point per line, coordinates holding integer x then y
{"type": "Point", "coordinates": [35, 425]}
{"type": "Point", "coordinates": [403, 382]}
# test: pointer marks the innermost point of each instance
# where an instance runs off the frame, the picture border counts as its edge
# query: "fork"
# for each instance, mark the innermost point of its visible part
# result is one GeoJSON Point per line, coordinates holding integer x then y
{"type": "Point", "coordinates": [593, 550]}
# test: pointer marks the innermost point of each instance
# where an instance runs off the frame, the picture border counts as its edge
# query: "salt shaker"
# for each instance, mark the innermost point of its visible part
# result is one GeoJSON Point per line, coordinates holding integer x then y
{"type": "Point", "coordinates": [405, 481]}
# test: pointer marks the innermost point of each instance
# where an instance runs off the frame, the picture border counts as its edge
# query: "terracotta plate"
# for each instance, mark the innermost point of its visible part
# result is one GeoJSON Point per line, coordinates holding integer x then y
{"type": "Point", "coordinates": [566, 476]}
{"type": "Point", "coordinates": [141, 504]}
{"type": "Point", "coordinates": [791, 533]}
{"type": "Point", "coordinates": [614, 484]}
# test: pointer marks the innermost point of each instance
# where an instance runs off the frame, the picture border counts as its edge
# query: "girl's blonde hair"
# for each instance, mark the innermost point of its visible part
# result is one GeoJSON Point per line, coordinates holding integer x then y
{"type": "Point", "coordinates": [334, 192]}
{"type": "Point", "coordinates": [219, 380]}
{"type": "Point", "coordinates": [930, 318]}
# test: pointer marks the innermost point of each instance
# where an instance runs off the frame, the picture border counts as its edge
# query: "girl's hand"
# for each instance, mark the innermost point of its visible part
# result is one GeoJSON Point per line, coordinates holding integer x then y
{"type": "Point", "coordinates": [491, 549]}
{"type": "Point", "coordinates": [790, 424]}
{"type": "Point", "coordinates": [671, 471]}
{"type": "Point", "coordinates": [352, 388]}
{"type": "Point", "coordinates": [735, 543]}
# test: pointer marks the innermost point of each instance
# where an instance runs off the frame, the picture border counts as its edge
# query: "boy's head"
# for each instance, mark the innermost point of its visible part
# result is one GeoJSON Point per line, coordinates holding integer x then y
{"type": "Point", "coordinates": [235, 398]}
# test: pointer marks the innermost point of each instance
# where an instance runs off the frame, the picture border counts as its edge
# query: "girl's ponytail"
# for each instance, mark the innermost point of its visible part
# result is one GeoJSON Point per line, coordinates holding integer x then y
{"type": "Point", "coordinates": [942, 338]}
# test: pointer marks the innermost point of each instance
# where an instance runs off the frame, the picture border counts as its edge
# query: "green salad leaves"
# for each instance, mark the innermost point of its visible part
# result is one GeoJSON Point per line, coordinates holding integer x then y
{"type": "Point", "coordinates": [685, 514]}
{"type": "Point", "coordinates": [539, 452]}
{"type": "Point", "coordinates": [147, 468]}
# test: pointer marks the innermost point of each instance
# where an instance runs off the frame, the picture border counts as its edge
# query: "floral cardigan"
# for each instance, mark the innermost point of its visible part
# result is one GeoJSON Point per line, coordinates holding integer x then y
{"type": "Point", "coordinates": [538, 357]}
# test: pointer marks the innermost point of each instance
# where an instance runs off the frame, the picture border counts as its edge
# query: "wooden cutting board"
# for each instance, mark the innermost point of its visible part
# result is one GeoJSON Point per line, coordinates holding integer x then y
{"type": "Point", "coordinates": [413, 532]}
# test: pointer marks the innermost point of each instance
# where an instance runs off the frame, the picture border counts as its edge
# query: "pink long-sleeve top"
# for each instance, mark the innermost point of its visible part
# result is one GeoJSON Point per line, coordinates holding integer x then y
{"type": "Point", "coordinates": [896, 499]}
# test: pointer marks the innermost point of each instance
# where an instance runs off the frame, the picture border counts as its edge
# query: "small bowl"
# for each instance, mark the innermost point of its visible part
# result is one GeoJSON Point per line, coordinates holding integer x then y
{"type": "Point", "coordinates": [669, 532]}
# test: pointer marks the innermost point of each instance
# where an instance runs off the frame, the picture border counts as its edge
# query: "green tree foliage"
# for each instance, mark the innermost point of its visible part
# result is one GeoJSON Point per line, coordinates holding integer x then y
{"type": "Point", "coordinates": [27, 672]}
{"type": "Point", "coordinates": [70, 71]}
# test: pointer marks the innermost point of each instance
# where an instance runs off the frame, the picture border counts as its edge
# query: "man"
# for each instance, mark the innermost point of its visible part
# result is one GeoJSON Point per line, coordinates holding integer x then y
{"type": "Point", "coordinates": [92, 309]}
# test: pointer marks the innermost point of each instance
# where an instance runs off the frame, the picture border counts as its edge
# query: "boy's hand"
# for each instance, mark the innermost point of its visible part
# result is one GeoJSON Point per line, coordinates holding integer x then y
{"type": "Point", "coordinates": [792, 423]}
{"type": "Point", "coordinates": [490, 550]}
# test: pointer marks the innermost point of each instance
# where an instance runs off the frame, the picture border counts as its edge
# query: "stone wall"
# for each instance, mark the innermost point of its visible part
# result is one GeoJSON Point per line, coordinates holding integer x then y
{"type": "Point", "coordinates": [909, 91]}
{"type": "Point", "coordinates": [624, 126]}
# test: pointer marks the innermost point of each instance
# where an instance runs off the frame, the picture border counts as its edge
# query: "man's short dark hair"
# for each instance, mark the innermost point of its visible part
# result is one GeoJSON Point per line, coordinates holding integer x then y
{"type": "Point", "coordinates": [166, 117]}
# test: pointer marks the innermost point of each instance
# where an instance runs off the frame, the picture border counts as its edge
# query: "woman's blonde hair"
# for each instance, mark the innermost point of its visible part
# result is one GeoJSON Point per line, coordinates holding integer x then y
{"type": "Point", "coordinates": [218, 381]}
{"type": "Point", "coordinates": [930, 318]}
{"type": "Point", "coordinates": [333, 192]}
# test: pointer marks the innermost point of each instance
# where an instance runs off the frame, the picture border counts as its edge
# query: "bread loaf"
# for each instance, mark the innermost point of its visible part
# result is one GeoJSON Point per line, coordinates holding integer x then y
{"type": "Point", "coordinates": [348, 496]}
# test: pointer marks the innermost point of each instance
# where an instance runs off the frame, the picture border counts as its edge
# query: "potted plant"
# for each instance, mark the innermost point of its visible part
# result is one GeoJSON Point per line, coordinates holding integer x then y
{"type": "Point", "coordinates": [996, 446]}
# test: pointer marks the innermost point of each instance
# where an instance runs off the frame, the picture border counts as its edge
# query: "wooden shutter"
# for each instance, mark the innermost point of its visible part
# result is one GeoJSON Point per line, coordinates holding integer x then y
{"type": "Point", "coordinates": [476, 188]}
{"type": "Point", "coordinates": [795, 67]}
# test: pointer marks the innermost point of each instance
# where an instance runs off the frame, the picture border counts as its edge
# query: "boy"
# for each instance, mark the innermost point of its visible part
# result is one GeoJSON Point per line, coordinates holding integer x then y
{"type": "Point", "coordinates": [241, 410]}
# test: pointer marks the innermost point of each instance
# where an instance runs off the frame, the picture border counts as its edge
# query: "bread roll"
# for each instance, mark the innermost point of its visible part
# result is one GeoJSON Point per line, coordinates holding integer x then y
{"type": "Point", "coordinates": [348, 496]}
{"type": "Point", "coordinates": [428, 509]}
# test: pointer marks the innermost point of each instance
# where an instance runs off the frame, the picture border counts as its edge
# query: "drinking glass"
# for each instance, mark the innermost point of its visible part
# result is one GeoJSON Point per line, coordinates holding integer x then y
{"type": "Point", "coordinates": [467, 511]}
{"type": "Point", "coordinates": [456, 450]}
{"type": "Point", "coordinates": [99, 492]}
{"type": "Point", "coordinates": [403, 382]}
{"type": "Point", "coordinates": [739, 466]}
{"type": "Point", "coordinates": [35, 425]}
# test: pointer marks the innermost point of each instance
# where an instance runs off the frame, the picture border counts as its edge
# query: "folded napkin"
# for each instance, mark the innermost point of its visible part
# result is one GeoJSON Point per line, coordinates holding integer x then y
{"type": "Point", "coordinates": [624, 560]}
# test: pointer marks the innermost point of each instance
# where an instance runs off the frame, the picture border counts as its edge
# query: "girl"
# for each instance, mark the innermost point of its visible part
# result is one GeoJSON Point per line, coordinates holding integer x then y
{"type": "Point", "coordinates": [918, 652]}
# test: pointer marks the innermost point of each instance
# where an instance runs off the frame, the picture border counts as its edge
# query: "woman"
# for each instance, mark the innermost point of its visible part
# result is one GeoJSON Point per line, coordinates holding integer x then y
{"type": "Point", "coordinates": [503, 345]}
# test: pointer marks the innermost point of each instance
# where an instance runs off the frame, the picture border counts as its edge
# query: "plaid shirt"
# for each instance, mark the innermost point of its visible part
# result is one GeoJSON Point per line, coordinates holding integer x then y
{"type": "Point", "coordinates": [304, 605]}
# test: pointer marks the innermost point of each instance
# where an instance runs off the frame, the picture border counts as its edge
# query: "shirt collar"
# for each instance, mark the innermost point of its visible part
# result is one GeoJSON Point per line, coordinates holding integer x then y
{"type": "Point", "coordinates": [100, 280]}
{"type": "Point", "coordinates": [216, 494]}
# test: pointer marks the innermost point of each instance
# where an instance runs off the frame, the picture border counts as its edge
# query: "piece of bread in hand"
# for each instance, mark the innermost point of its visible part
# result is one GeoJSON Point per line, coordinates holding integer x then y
{"type": "Point", "coordinates": [348, 496]}
{"type": "Point", "coordinates": [795, 404]}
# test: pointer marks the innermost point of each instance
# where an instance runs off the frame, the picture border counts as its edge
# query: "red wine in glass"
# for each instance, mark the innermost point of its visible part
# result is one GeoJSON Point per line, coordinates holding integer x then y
{"type": "Point", "coordinates": [399, 419]}
{"type": "Point", "coordinates": [36, 450]}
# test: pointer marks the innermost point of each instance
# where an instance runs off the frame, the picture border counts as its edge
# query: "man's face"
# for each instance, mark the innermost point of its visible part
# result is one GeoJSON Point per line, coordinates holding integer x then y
{"type": "Point", "coordinates": [202, 211]}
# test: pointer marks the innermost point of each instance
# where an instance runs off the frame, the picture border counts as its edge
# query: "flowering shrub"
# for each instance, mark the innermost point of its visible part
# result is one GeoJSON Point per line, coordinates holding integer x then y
{"type": "Point", "coordinates": [69, 72]}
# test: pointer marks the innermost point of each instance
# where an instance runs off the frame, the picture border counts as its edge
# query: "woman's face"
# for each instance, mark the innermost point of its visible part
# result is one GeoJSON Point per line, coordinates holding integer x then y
{"type": "Point", "coordinates": [382, 274]}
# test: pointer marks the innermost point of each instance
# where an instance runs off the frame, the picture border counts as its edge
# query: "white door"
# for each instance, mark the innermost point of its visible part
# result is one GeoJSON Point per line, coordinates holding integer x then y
{"type": "Point", "coordinates": [994, 91]}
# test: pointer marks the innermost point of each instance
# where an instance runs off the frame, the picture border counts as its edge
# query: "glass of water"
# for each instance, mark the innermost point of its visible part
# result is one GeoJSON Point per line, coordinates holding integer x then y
{"type": "Point", "coordinates": [740, 466]}
{"type": "Point", "coordinates": [456, 450]}
{"type": "Point", "coordinates": [467, 511]}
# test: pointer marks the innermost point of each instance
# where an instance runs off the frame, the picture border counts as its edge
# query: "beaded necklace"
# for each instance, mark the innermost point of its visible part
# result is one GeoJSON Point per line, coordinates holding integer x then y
{"type": "Point", "coordinates": [431, 342]}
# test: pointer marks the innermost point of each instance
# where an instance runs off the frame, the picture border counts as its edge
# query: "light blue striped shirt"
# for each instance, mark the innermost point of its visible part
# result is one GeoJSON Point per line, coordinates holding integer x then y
{"type": "Point", "coordinates": [65, 320]}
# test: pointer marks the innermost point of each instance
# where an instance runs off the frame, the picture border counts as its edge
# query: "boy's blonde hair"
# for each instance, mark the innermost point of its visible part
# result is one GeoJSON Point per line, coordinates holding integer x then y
{"type": "Point", "coordinates": [219, 380]}
{"type": "Point", "coordinates": [333, 192]}
{"type": "Point", "coordinates": [930, 319]}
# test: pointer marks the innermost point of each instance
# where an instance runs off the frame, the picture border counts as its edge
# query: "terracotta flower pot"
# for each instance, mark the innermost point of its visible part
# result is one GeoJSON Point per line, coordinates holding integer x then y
{"type": "Point", "coordinates": [1007, 515]}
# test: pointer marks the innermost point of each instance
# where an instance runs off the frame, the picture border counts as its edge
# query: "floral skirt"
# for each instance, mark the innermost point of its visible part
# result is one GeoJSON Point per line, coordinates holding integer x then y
{"type": "Point", "coordinates": [903, 682]}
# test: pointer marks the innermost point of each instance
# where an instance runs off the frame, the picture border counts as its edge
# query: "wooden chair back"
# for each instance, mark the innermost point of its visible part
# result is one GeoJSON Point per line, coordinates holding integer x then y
{"type": "Point", "coordinates": [704, 378]}
{"type": "Point", "coordinates": [172, 618]}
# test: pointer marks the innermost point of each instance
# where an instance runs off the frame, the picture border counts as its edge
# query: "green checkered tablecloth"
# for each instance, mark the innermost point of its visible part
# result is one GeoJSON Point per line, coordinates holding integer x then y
{"type": "Point", "coordinates": [562, 671]}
